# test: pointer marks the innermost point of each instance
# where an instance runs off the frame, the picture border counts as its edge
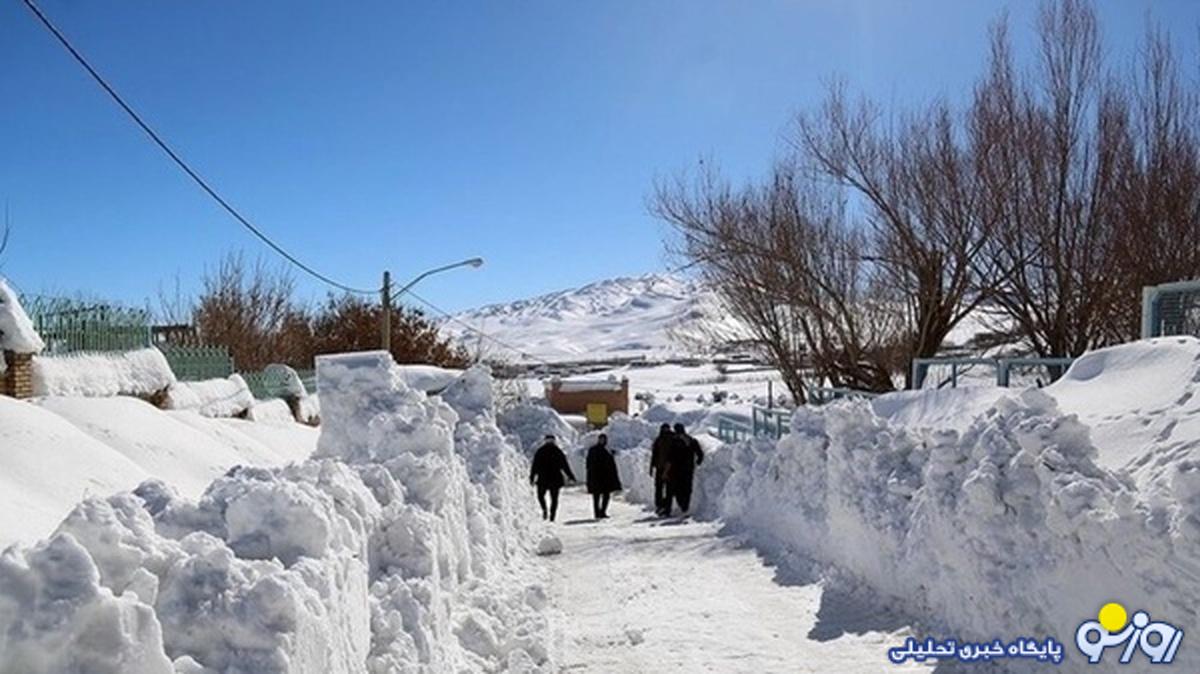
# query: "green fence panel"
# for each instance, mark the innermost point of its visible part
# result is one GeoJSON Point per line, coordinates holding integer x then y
{"type": "Point", "coordinates": [196, 363]}
{"type": "Point", "coordinates": [73, 326]}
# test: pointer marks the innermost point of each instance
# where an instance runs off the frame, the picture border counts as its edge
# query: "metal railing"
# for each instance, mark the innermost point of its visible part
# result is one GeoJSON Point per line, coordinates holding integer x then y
{"type": "Point", "coordinates": [769, 422]}
{"type": "Point", "coordinates": [72, 326]}
{"type": "Point", "coordinates": [196, 363]}
{"type": "Point", "coordinates": [1003, 368]}
{"type": "Point", "coordinates": [729, 430]}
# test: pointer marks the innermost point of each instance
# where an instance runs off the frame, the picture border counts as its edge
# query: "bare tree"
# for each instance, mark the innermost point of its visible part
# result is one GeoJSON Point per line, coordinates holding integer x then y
{"type": "Point", "coordinates": [245, 308]}
{"type": "Point", "coordinates": [784, 260]}
{"type": "Point", "coordinates": [1048, 153]}
{"type": "Point", "coordinates": [1158, 189]}
{"type": "Point", "coordinates": [920, 193]}
{"type": "Point", "coordinates": [349, 323]}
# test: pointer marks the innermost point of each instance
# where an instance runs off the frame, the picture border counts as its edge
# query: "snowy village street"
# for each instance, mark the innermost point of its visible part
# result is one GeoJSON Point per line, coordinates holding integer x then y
{"type": "Point", "coordinates": [640, 594]}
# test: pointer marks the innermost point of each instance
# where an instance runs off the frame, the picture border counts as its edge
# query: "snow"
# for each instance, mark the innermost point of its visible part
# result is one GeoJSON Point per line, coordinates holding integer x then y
{"type": "Point", "coordinates": [528, 424]}
{"type": "Point", "coordinates": [1140, 402]}
{"type": "Point", "coordinates": [576, 384]}
{"type": "Point", "coordinates": [656, 315]}
{"type": "Point", "coordinates": [228, 397]}
{"type": "Point", "coordinates": [639, 594]}
{"type": "Point", "coordinates": [60, 450]}
{"type": "Point", "coordinates": [17, 333]}
{"type": "Point", "coordinates": [405, 544]}
{"type": "Point", "coordinates": [549, 544]}
{"type": "Point", "coordinates": [140, 372]}
{"type": "Point", "coordinates": [1037, 506]}
{"type": "Point", "coordinates": [427, 378]}
{"type": "Point", "coordinates": [292, 385]}
{"type": "Point", "coordinates": [275, 411]}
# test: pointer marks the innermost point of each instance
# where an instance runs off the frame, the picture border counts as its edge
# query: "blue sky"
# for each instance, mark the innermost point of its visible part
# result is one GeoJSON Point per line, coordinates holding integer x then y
{"type": "Point", "coordinates": [404, 135]}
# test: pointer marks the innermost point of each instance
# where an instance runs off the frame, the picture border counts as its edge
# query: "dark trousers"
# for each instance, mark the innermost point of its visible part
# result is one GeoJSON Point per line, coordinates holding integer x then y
{"type": "Point", "coordinates": [600, 505]}
{"type": "Point", "coordinates": [548, 514]}
{"type": "Point", "coordinates": [662, 495]}
{"type": "Point", "coordinates": [682, 493]}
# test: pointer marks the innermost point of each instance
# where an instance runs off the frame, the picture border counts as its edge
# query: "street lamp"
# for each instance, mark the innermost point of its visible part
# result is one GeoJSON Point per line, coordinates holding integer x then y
{"type": "Point", "coordinates": [386, 294]}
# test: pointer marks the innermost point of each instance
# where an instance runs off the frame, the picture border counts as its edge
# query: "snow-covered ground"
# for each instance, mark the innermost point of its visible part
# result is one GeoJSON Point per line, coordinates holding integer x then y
{"type": "Point", "coordinates": [640, 594]}
{"type": "Point", "coordinates": [404, 544]}
{"type": "Point", "coordinates": [990, 512]}
{"type": "Point", "coordinates": [657, 315]}
{"type": "Point", "coordinates": [57, 451]}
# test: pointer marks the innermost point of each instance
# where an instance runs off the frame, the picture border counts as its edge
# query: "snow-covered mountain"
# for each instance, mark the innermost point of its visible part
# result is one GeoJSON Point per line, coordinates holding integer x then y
{"type": "Point", "coordinates": [657, 315]}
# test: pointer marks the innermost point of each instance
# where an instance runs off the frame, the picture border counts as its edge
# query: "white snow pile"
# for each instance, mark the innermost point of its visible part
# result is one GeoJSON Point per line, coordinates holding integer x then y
{"type": "Point", "coordinates": [427, 378]}
{"type": "Point", "coordinates": [16, 330]}
{"type": "Point", "coordinates": [275, 411]}
{"type": "Point", "coordinates": [95, 375]}
{"type": "Point", "coordinates": [1011, 523]}
{"type": "Point", "coordinates": [528, 423]}
{"type": "Point", "coordinates": [310, 409]}
{"type": "Point", "coordinates": [289, 380]}
{"type": "Point", "coordinates": [549, 545]}
{"type": "Point", "coordinates": [401, 547]}
{"type": "Point", "coordinates": [229, 397]}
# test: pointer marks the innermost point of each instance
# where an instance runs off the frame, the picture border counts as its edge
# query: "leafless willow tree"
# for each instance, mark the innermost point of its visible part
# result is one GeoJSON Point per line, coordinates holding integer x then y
{"type": "Point", "coordinates": [1049, 155]}
{"type": "Point", "coordinates": [1158, 186]}
{"type": "Point", "coordinates": [783, 259]}
{"type": "Point", "coordinates": [249, 309]}
{"type": "Point", "coordinates": [1051, 198]}
{"type": "Point", "coordinates": [916, 184]}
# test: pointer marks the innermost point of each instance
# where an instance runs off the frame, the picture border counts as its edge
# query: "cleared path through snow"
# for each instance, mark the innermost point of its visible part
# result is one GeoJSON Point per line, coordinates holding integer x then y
{"type": "Point", "coordinates": [636, 593]}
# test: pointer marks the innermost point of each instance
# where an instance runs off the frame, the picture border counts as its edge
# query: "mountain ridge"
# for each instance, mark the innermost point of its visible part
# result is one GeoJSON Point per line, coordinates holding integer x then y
{"type": "Point", "coordinates": [653, 315]}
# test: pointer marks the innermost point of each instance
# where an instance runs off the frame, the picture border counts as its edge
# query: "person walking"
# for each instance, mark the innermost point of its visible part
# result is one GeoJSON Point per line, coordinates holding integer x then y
{"type": "Point", "coordinates": [546, 471]}
{"type": "Point", "coordinates": [684, 456]}
{"type": "Point", "coordinates": [659, 452]}
{"type": "Point", "coordinates": [602, 477]}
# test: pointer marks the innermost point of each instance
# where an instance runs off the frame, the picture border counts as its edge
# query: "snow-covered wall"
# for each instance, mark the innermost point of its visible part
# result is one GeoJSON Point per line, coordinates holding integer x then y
{"type": "Point", "coordinates": [227, 397]}
{"type": "Point", "coordinates": [93, 375]}
{"type": "Point", "coordinates": [403, 546]}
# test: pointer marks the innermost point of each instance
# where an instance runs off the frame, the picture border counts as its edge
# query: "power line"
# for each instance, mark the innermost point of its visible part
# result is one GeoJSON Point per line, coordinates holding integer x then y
{"type": "Point", "coordinates": [179, 161]}
{"type": "Point", "coordinates": [454, 319]}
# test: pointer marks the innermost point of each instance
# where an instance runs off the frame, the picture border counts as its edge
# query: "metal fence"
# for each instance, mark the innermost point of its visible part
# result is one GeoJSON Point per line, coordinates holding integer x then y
{"type": "Point", "coordinates": [729, 430]}
{"type": "Point", "coordinates": [72, 325]}
{"type": "Point", "coordinates": [269, 383]}
{"type": "Point", "coordinates": [196, 363]}
{"type": "Point", "coordinates": [1003, 368]}
{"type": "Point", "coordinates": [1171, 309]}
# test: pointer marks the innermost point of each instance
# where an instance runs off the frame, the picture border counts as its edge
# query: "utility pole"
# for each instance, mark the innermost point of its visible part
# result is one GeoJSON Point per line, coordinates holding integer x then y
{"type": "Point", "coordinates": [386, 297]}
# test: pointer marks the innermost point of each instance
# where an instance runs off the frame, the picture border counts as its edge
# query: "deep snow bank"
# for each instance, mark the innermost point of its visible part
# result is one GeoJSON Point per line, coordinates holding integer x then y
{"type": "Point", "coordinates": [401, 548]}
{"type": "Point", "coordinates": [228, 397]}
{"type": "Point", "coordinates": [136, 373]}
{"type": "Point", "coordinates": [1008, 522]}
{"type": "Point", "coordinates": [56, 451]}
{"type": "Point", "coordinates": [986, 512]}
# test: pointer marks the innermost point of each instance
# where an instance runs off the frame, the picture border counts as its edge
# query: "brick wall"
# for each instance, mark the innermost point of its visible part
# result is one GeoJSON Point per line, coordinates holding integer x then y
{"type": "Point", "coordinates": [18, 375]}
{"type": "Point", "coordinates": [576, 401]}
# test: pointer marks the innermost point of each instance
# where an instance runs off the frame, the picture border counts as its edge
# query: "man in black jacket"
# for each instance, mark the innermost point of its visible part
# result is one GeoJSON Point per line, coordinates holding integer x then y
{"type": "Point", "coordinates": [659, 452]}
{"type": "Point", "coordinates": [602, 477]}
{"type": "Point", "coordinates": [546, 471]}
{"type": "Point", "coordinates": [682, 460]}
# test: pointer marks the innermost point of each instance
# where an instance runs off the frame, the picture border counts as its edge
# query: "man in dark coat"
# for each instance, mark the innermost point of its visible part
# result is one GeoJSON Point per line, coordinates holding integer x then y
{"type": "Point", "coordinates": [682, 460]}
{"type": "Point", "coordinates": [659, 452]}
{"type": "Point", "coordinates": [602, 478]}
{"type": "Point", "coordinates": [546, 471]}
